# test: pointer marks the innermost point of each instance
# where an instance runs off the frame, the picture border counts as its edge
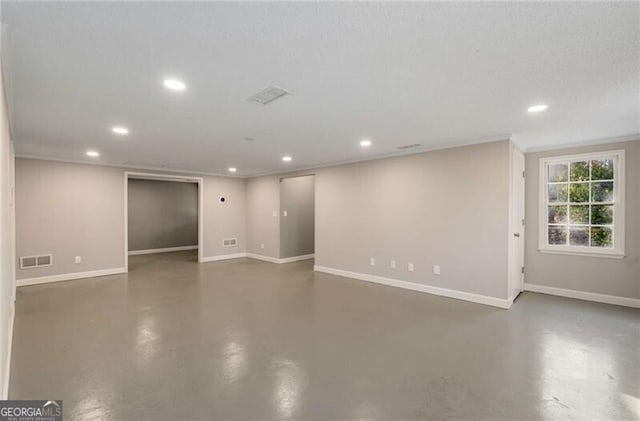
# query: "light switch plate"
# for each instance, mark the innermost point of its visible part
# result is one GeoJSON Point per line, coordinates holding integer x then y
{"type": "Point", "coordinates": [410, 267]}
{"type": "Point", "coordinates": [392, 264]}
{"type": "Point", "coordinates": [372, 261]}
{"type": "Point", "coordinates": [436, 270]}
{"type": "Point", "coordinates": [78, 259]}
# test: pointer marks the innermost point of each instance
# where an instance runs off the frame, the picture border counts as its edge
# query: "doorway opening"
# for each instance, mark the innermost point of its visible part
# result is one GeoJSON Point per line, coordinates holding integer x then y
{"type": "Point", "coordinates": [297, 218]}
{"type": "Point", "coordinates": [162, 213]}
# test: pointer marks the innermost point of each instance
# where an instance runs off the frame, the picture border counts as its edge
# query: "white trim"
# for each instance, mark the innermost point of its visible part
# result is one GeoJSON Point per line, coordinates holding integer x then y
{"type": "Point", "coordinates": [443, 292]}
{"type": "Point", "coordinates": [163, 250]}
{"type": "Point", "coordinates": [130, 167]}
{"type": "Point", "coordinates": [69, 276]}
{"type": "Point", "coordinates": [263, 258]}
{"type": "Point", "coordinates": [583, 295]}
{"type": "Point", "coordinates": [588, 253]}
{"type": "Point", "coordinates": [506, 136]}
{"type": "Point", "coordinates": [516, 222]}
{"type": "Point", "coordinates": [618, 252]}
{"type": "Point", "coordinates": [583, 143]}
{"type": "Point", "coordinates": [280, 261]}
{"type": "Point", "coordinates": [223, 257]}
{"type": "Point", "coordinates": [163, 177]}
{"type": "Point", "coordinates": [395, 154]}
{"type": "Point", "coordinates": [126, 221]}
{"type": "Point", "coordinates": [7, 370]}
{"type": "Point", "coordinates": [297, 258]}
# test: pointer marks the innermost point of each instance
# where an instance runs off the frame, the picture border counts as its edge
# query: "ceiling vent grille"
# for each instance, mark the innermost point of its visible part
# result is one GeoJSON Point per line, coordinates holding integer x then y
{"type": "Point", "coordinates": [28, 262]}
{"type": "Point", "coordinates": [229, 242]}
{"type": "Point", "coordinates": [415, 145]}
{"type": "Point", "coordinates": [268, 95]}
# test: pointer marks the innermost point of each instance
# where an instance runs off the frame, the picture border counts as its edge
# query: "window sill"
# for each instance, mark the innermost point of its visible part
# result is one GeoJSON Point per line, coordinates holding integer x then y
{"type": "Point", "coordinates": [607, 255]}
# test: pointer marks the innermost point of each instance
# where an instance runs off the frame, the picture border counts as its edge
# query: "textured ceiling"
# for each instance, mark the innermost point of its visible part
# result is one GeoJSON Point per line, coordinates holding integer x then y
{"type": "Point", "coordinates": [436, 74]}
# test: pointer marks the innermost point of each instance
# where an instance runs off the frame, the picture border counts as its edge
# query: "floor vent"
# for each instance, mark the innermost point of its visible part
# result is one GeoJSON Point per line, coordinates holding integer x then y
{"type": "Point", "coordinates": [415, 145]}
{"type": "Point", "coordinates": [229, 242]}
{"type": "Point", "coordinates": [29, 262]}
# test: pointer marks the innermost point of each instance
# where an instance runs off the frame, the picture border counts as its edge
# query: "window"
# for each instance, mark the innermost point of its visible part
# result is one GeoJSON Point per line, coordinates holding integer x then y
{"type": "Point", "coordinates": [582, 204]}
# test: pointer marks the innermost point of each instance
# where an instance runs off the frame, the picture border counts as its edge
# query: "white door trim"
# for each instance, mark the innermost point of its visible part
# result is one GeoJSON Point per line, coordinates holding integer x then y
{"type": "Point", "coordinates": [515, 225]}
{"type": "Point", "coordinates": [163, 177]}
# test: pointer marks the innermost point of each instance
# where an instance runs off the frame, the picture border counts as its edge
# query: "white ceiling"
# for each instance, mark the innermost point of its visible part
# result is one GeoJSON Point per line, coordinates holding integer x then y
{"type": "Point", "coordinates": [437, 74]}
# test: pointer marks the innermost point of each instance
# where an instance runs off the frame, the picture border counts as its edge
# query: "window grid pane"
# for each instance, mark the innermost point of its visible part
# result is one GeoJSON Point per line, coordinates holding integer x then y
{"type": "Point", "coordinates": [580, 203]}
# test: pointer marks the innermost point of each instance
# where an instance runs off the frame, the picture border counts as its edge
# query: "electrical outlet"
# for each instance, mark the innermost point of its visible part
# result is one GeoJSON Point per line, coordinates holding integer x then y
{"type": "Point", "coordinates": [78, 259]}
{"type": "Point", "coordinates": [275, 213]}
{"type": "Point", "coordinates": [262, 246]}
{"type": "Point", "coordinates": [392, 264]}
{"type": "Point", "coordinates": [410, 267]}
{"type": "Point", "coordinates": [372, 261]}
{"type": "Point", "coordinates": [436, 270]}
{"type": "Point", "coordinates": [284, 213]}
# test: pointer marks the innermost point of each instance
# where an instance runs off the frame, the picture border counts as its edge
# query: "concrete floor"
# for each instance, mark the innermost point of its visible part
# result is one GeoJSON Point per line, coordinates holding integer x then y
{"type": "Point", "coordinates": [245, 339]}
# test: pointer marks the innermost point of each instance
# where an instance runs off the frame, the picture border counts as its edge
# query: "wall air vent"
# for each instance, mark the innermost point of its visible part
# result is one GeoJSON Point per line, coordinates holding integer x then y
{"type": "Point", "coordinates": [229, 242]}
{"type": "Point", "coordinates": [415, 145]}
{"type": "Point", "coordinates": [29, 262]}
{"type": "Point", "coordinates": [268, 95]}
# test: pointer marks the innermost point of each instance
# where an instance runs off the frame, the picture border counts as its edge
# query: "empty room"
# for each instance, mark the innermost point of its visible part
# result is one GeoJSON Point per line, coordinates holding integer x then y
{"type": "Point", "coordinates": [319, 210]}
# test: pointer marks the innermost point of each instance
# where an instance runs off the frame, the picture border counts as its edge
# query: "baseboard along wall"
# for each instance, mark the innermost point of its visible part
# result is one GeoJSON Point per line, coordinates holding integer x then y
{"type": "Point", "coordinates": [583, 295]}
{"type": "Point", "coordinates": [443, 292]}
{"type": "Point", "coordinates": [69, 276]}
{"type": "Point", "coordinates": [162, 250]}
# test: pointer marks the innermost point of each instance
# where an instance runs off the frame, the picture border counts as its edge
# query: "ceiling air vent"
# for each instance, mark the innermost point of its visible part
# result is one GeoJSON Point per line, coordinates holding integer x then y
{"type": "Point", "coordinates": [229, 242]}
{"type": "Point", "coordinates": [267, 95]}
{"type": "Point", "coordinates": [415, 145]}
{"type": "Point", "coordinates": [28, 262]}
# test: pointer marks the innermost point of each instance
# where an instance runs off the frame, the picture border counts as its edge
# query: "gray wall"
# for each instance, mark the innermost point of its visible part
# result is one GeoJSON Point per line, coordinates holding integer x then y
{"type": "Point", "coordinates": [447, 208]}
{"type": "Point", "coordinates": [162, 214]}
{"type": "Point", "coordinates": [69, 210]}
{"type": "Point", "coordinates": [7, 215]}
{"type": "Point", "coordinates": [226, 219]}
{"type": "Point", "coordinates": [263, 223]}
{"type": "Point", "coordinates": [297, 198]}
{"type": "Point", "coordinates": [591, 274]}
{"type": "Point", "coordinates": [77, 209]}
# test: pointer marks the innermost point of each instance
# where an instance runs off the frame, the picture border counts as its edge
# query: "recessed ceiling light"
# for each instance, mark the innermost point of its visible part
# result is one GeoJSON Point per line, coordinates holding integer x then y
{"type": "Point", "coordinates": [174, 84]}
{"type": "Point", "coordinates": [286, 158]}
{"type": "Point", "coordinates": [93, 154]}
{"type": "Point", "coordinates": [120, 130]}
{"type": "Point", "coordinates": [365, 143]}
{"type": "Point", "coordinates": [537, 108]}
{"type": "Point", "coordinates": [233, 169]}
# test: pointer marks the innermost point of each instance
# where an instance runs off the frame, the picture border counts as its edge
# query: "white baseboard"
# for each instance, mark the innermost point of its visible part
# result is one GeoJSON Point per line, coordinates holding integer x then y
{"type": "Point", "coordinates": [443, 292]}
{"type": "Point", "coordinates": [7, 371]}
{"type": "Point", "coordinates": [222, 257]}
{"type": "Point", "coordinates": [69, 276]}
{"type": "Point", "coordinates": [163, 250]}
{"type": "Point", "coordinates": [297, 258]}
{"type": "Point", "coordinates": [263, 258]}
{"type": "Point", "coordinates": [582, 295]}
{"type": "Point", "coordinates": [280, 261]}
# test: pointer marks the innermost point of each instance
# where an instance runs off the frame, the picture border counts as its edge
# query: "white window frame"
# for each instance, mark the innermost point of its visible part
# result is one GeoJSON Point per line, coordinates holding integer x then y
{"type": "Point", "coordinates": [618, 250]}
